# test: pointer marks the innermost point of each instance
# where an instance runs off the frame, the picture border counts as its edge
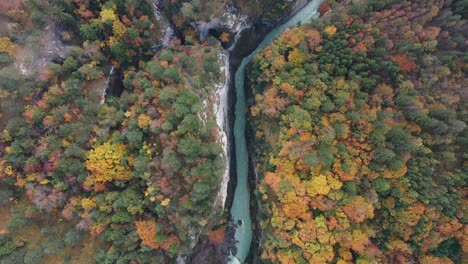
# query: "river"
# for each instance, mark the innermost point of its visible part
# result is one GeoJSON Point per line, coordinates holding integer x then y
{"type": "Point", "coordinates": [240, 210]}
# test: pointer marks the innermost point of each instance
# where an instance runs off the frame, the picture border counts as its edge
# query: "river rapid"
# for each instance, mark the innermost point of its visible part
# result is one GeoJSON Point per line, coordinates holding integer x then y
{"type": "Point", "coordinates": [240, 210]}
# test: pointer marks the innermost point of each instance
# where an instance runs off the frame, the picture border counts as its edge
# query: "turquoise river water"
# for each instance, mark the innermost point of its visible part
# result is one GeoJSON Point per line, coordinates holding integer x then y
{"type": "Point", "coordinates": [240, 207]}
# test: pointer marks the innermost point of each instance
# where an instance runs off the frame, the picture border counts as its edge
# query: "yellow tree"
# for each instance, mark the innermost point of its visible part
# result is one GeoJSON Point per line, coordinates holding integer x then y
{"type": "Point", "coordinates": [108, 15]}
{"type": "Point", "coordinates": [293, 206]}
{"type": "Point", "coordinates": [143, 121]}
{"type": "Point", "coordinates": [7, 46]}
{"type": "Point", "coordinates": [88, 203]}
{"type": "Point", "coordinates": [118, 28]}
{"type": "Point", "coordinates": [105, 164]}
{"type": "Point", "coordinates": [330, 30]}
{"type": "Point", "coordinates": [318, 185]}
{"type": "Point", "coordinates": [296, 57]}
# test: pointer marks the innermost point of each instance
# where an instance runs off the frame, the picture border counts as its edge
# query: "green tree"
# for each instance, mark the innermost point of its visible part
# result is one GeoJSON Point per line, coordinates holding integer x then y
{"type": "Point", "coordinates": [34, 256]}
{"type": "Point", "coordinates": [383, 155]}
{"type": "Point", "coordinates": [170, 160]}
{"type": "Point", "coordinates": [91, 32]}
{"type": "Point", "coordinates": [18, 220]}
{"type": "Point", "coordinates": [460, 7]}
{"type": "Point", "coordinates": [172, 74]}
{"type": "Point", "coordinates": [189, 64]}
{"type": "Point", "coordinates": [211, 64]}
{"type": "Point", "coordinates": [166, 55]}
{"type": "Point", "coordinates": [7, 246]}
{"type": "Point", "coordinates": [189, 147]}
{"type": "Point", "coordinates": [200, 191]}
{"type": "Point", "coordinates": [73, 236]}
{"type": "Point", "coordinates": [190, 124]}
{"type": "Point", "coordinates": [399, 140]}
{"type": "Point", "coordinates": [382, 186]}
{"type": "Point", "coordinates": [187, 102]}
{"type": "Point", "coordinates": [154, 68]}
{"type": "Point", "coordinates": [132, 33]}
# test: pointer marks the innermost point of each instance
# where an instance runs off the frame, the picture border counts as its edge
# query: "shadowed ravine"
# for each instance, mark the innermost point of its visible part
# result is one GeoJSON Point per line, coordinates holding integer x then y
{"type": "Point", "coordinates": [240, 212]}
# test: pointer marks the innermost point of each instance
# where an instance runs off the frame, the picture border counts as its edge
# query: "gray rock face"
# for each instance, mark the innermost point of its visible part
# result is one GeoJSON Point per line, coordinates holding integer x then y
{"type": "Point", "coordinates": [231, 19]}
{"type": "Point", "coordinates": [32, 57]}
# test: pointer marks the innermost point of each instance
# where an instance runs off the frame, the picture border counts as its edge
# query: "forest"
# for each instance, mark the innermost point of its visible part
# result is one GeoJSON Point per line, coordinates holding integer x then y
{"type": "Point", "coordinates": [360, 136]}
{"type": "Point", "coordinates": [109, 150]}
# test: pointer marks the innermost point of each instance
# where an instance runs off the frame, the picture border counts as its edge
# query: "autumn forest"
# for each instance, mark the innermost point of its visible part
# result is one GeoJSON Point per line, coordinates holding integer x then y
{"type": "Point", "coordinates": [117, 119]}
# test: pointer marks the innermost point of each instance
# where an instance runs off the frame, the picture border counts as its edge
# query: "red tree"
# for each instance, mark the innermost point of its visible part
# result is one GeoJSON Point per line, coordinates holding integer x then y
{"type": "Point", "coordinates": [404, 63]}
{"type": "Point", "coordinates": [324, 8]}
